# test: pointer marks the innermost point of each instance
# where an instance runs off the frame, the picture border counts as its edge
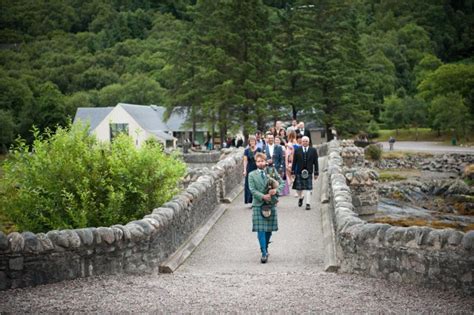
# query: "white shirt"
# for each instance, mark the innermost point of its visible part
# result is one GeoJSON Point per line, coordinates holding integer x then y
{"type": "Point", "coordinates": [270, 149]}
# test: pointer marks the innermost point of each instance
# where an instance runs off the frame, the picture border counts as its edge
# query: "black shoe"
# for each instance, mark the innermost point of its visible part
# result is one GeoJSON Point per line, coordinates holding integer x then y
{"type": "Point", "coordinates": [264, 259]}
{"type": "Point", "coordinates": [308, 207]}
{"type": "Point", "coordinates": [300, 202]}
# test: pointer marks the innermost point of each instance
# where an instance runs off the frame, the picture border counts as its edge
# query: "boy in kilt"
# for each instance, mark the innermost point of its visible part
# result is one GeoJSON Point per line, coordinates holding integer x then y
{"type": "Point", "coordinates": [305, 165]}
{"type": "Point", "coordinates": [263, 195]}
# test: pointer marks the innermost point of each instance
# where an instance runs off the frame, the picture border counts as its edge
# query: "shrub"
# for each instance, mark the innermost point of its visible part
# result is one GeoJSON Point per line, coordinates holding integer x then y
{"type": "Point", "coordinates": [73, 181]}
{"type": "Point", "coordinates": [373, 129]}
{"type": "Point", "coordinates": [373, 152]}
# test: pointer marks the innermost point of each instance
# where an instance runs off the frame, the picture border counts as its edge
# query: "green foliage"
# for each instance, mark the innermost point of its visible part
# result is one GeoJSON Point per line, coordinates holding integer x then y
{"type": "Point", "coordinates": [7, 132]}
{"type": "Point", "coordinates": [373, 152]}
{"type": "Point", "coordinates": [69, 180]}
{"type": "Point", "coordinates": [373, 129]}
{"type": "Point", "coordinates": [450, 78]}
{"type": "Point", "coordinates": [390, 177]}
{"type": "Point", "coordinates": [450, 113]}
{"type": "Point", "coordinates": [393, 115]}
{"type": "Point", "coordinates": [334, 62]}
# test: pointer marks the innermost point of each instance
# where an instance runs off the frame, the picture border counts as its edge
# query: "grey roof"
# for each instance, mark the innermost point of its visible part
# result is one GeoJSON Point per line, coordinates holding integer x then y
{"type": "Point", "coordinates": [162, 135]}
{"type": "Point", "coordinates": [149, 117]}
{"type": "Point", "coordinates": [92, 115]}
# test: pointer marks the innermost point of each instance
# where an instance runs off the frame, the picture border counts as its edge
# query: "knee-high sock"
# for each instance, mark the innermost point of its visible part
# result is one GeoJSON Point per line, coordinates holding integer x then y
{"type": "Point", "coordinates": [262, 239]}
{"type": "Point", "coordinates": [307, 195]}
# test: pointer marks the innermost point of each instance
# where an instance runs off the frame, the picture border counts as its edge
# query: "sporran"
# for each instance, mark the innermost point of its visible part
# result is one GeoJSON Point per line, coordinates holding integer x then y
{"type": "Point", "coordinates": [266, 211]}
{"type": "Point", "coordinates": [304, 174]}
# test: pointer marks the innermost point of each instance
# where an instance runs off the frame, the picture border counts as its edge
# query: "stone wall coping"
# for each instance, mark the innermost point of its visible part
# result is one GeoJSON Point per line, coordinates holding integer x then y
{"type": "Point", "coordinates": [29, 243]}
{"type": "Point", "coordinates": [349, 225]}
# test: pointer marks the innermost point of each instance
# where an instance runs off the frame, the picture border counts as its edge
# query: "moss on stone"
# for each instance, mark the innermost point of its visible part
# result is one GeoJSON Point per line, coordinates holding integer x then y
{"type": "Point", "coordinates": [436, 224]}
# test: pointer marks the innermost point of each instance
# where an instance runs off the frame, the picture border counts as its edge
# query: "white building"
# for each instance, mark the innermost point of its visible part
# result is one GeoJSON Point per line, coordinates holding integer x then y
{"type": "Point", "coordinates": [138, 121]}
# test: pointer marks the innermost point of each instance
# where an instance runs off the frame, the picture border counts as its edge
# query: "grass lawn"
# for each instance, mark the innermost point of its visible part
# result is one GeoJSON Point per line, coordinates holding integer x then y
{"type": "Point", "coordinates": [424, 134]}
{"type": "Point", "coordinates": [404, 154]}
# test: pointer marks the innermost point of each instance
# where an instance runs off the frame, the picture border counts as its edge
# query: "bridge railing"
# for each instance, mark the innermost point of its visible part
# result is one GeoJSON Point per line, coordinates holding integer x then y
{"type": "Point", "coordinates": [440, 257]}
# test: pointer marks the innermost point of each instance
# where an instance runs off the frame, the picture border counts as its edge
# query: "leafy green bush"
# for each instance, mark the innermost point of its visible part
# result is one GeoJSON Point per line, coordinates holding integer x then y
{"type": "Point", "coordinates": [373, 152]}
{"type": "Point", "coordinates": [373, 129]}
{"type": "Point", "coordinates": [70, 180]}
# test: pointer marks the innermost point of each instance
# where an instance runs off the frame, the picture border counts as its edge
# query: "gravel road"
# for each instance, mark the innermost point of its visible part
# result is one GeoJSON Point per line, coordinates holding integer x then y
{"type": "Point", "coordinates": [224, 275]}
{"type": "Point", "coordinates": [427, 146]}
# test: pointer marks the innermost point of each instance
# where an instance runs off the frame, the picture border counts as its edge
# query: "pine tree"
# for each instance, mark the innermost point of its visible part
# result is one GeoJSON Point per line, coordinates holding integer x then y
{"type": "Point", "coordinates": [335, 64]}
{"type": "Point", "coordinates": [234, 45]}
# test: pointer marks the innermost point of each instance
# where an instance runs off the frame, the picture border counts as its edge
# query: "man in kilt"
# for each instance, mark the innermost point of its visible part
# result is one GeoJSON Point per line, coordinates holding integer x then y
{"type": "Point", "coordinates": [305, 166]}
{"type": "Point", "coordinates": [259, 180]}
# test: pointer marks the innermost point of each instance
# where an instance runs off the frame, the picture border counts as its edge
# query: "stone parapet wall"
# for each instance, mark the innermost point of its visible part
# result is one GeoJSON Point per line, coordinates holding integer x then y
{"type": "Point", "coordinates": [322, 149]}
{"type": "Point", "coordinates": [204, 157]}
{"type": "Point", "coordinates": [28, 259]}
{"type": "Point", "coordinates": [362, 182]}
{"type": "Point", "coordinates": [441, 257]}
{"type": "Point", "coordinates": [351, 155]}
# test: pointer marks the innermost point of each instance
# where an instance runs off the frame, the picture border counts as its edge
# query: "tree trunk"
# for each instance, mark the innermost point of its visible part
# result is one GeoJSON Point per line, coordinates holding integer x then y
{"type": "Point", "coordinates": [213, 127]}
{"type": "Point", "coordinates": [193, 117]}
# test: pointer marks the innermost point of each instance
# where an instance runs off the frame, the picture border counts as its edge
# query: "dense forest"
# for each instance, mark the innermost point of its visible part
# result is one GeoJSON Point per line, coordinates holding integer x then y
{"type": "Point", "coordinates": [352, 64]}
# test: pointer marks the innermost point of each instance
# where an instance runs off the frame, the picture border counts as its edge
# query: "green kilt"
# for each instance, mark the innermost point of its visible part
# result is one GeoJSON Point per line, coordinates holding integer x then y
{"type": "Point", "coordinates": [261, 224]}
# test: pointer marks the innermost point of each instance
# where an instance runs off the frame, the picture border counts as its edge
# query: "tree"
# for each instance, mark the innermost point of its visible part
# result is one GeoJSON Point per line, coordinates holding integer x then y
{"type": "Point", "coordinates": [180, 75]}
{"type": "Point", "coordinates": [427, 65]}
{"type": "Point", "coordinates": [450, 78]}
{"type": "Point", "coordinates": [79, 99]}
{"type": "Point", "coordinates": [415, 112]}
{"type": "Point", "coordinates": [15, 95]}
{"type": "Point", "coordinates": [292, 81]}
{"type": "Point", "coordinates": [394, 115]}
{"type": "Point", "coordinates": [380, 78]}
{"type": "Point", "coordinates": [226, 66]}
{"type": "Point", "coordinates": [95, 78]}
{"type": "Point", "coordinates": [451, 114]}
{"type": "Point", "coordinates": [8, 130]}
{"type": "Point", "coordinates": [335, 63]}
{"type": "Point", "coordinates": [45, 111]}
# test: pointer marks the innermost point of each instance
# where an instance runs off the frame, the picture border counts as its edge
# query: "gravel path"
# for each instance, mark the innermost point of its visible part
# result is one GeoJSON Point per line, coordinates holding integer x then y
{"type": "Point", "coordinates": [224, 275]}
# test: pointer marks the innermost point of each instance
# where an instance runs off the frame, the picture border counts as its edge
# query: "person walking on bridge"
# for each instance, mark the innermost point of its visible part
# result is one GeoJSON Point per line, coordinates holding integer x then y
{"type": "Point", "coordinates": [305, 164]}
{"type": "Point", "coordinates": [250, 165]}
{"type": "Point", "coordinates": [264, 215]}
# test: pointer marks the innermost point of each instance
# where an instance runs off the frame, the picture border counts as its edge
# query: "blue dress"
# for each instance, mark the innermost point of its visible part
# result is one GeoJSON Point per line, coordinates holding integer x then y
{"type": "Point", "coordinates": [251, 165]}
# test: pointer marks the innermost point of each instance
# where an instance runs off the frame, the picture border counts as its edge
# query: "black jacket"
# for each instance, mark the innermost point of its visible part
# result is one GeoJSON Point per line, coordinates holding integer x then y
{"type": "Point", "coordinates": [306, 133]}
{"type": "Point", "coordinates": [310, 162]}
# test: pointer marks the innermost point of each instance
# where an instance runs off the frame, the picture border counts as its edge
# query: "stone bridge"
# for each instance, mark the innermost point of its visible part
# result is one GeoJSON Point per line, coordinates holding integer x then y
{"type": "Point", "coordinates": [204, 237]}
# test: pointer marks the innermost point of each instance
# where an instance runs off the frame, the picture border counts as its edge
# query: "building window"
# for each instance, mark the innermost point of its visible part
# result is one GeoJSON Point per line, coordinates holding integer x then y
{"type": "Point", "coordinates": [116, 129]}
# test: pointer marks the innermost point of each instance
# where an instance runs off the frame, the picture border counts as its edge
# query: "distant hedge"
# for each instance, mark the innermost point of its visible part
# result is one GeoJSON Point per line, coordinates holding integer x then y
{"type": "Point", "coordinates": [70, 180]}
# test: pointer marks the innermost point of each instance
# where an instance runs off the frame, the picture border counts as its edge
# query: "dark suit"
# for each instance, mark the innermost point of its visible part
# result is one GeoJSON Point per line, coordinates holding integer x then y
{"type": "Point", "coordinates": [278, 158]}
{"type": "Point", "coordinates": [306, 133]}
{"type": "Point", "coordinates": [310, 162]}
